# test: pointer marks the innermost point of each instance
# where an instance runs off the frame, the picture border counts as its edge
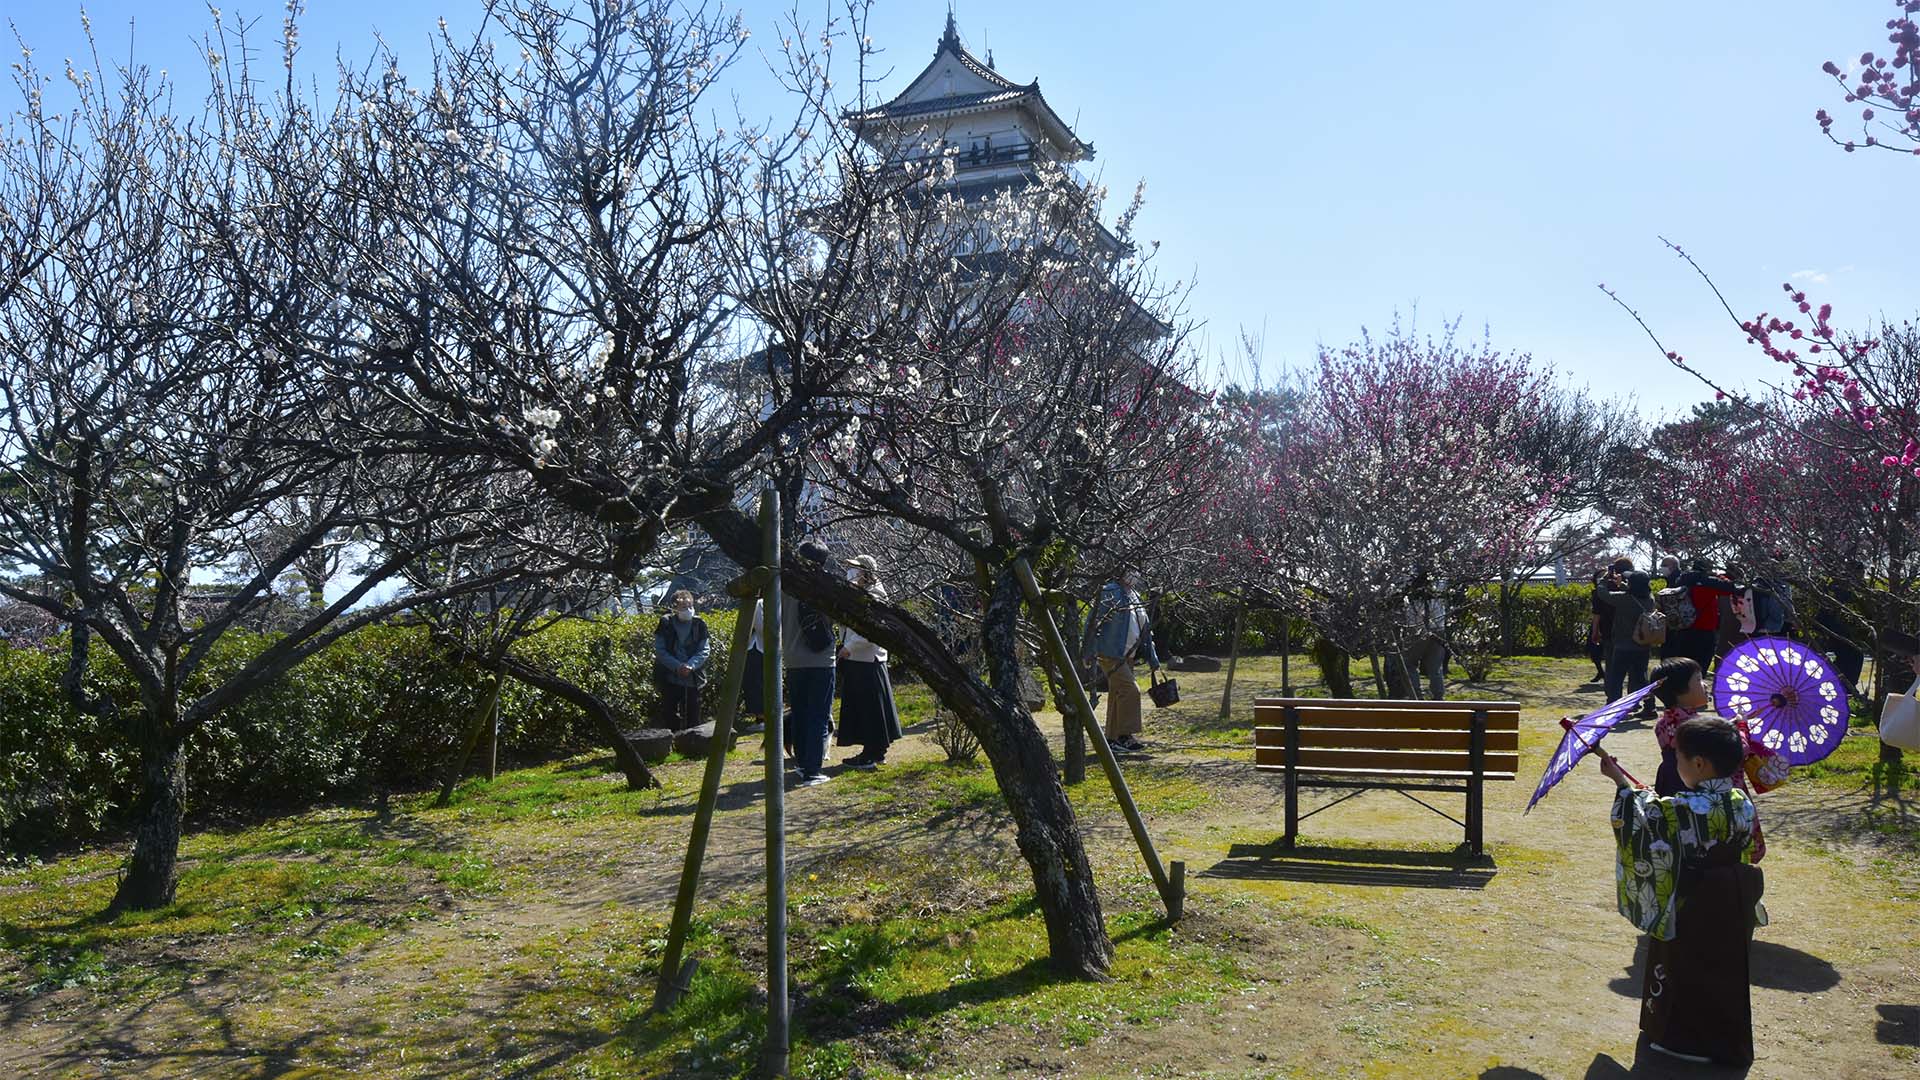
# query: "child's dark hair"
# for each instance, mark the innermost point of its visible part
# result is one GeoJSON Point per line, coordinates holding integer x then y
{"type": "Point", "coordinates": [1672, 678]}
{"type": "Point", "coordinates": [1712, 738]}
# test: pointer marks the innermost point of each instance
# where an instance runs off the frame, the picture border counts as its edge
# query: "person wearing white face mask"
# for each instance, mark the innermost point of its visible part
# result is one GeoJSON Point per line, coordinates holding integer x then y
{"type": "Point", "coordinates": [680, 651]}
{"type": "Point", "coordinates": [868, 718]}
{"type": "Point", "coordinates": [1117, 632]}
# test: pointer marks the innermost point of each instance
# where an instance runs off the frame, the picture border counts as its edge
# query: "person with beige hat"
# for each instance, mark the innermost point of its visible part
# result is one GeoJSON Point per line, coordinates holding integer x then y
{"type": "Point", "coordinates": [868, 718]}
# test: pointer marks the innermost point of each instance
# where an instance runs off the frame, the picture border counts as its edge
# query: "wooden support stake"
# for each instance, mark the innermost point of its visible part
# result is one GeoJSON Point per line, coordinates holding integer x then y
{"type": "Point", "coordinates": [493, 741]}
{"type": "Point", "coordinates": [1074, 741]}
{"type": "Point", "coordinates": [1050, 637]}
{"type": "Point", "coordinates": [779, 1047]}
{"type": "Point", "coordinates": [674, 979]}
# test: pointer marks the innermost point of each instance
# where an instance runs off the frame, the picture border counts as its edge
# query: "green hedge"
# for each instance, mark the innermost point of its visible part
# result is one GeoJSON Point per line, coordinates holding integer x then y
{"type": "Point", "coordinates": [383, 707]}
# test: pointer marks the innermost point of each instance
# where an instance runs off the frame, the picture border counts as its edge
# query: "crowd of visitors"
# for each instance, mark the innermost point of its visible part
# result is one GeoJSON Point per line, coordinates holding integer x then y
{"type": "Point", "coordinates": [1696, 613]}
{"type": "Point", "coordinates": [821, 662]}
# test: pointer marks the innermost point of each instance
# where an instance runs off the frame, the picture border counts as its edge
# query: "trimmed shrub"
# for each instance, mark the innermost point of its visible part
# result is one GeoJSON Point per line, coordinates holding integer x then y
{"type": "Point", "coordinates": [381, 709]}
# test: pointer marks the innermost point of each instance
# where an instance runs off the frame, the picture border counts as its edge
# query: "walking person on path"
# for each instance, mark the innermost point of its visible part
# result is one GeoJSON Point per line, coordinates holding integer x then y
{"type": "Point", "coordinates": [1117, 632]}
{"type": "Point", "coordinates": [680, 651]}
{"type": "Point", "coordinates": [809, 653]}
{"type": "Point", "coordinates": [868, 718]}
{"type": "Point", "coordinates": [1627, 661]}
{"type": "Point", "coordinates": [1600, 623]}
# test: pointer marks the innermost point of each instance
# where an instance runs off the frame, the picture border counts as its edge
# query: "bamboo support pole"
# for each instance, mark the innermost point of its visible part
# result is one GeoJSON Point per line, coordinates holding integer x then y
{"type": "Point", "coordinates": [779, 1047]}
{"type": "Point", "coordinates": [675, 979]}
{"type": "Point", "coordinates": [1171, 888]}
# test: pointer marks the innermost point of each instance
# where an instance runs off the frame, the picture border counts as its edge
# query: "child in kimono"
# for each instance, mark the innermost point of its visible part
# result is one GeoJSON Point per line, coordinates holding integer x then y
{"type": "Point", "coordinates": [1684, 877]}
{"type": "Point", "coordinates": [1680, 686]}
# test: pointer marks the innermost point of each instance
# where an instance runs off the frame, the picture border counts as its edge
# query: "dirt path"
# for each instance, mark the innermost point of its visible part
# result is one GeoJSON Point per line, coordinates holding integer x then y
{"type": "Point", "coordinates": [1378, 950]}
{"type": "Point", "coordinates": [1523, 965]}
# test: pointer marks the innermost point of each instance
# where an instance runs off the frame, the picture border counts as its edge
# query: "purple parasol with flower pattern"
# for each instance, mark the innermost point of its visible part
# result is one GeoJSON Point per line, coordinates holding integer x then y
{"type": "Point", "coordinates": [1583, 735]}
{"type": "Point", "coordinates": [1793, 701]}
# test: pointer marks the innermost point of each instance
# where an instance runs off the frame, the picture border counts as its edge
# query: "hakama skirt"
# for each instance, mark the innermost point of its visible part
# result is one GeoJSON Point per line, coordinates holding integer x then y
{"type": "Point", "coordinates": [1694, 999]}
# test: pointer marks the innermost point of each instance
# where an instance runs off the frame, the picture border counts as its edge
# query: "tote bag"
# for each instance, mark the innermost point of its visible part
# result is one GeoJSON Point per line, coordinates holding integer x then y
{"type": "Point", "coordinates": [1900, 721]}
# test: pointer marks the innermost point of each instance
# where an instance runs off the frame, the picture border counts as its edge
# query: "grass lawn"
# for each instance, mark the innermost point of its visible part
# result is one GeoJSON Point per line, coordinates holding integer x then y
{"type": "Point", "coordinates": [518, 931]}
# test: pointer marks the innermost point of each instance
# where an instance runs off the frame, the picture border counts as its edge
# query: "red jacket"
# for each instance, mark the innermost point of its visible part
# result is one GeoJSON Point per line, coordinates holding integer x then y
{"type": "Point", "coordinates": [1706, 607]}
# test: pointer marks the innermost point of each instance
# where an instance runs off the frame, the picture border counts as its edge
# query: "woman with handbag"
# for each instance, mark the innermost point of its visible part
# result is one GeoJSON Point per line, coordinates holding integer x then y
{"type": "Point", "coordinates": [1117, 632]}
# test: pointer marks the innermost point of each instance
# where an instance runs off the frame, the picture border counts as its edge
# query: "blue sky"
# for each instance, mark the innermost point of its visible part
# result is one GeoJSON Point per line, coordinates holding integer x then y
{"type": "Point", "coordinates": [1318, 166]}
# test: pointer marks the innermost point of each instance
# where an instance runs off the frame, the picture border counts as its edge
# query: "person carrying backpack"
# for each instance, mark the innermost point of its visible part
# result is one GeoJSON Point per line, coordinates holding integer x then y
{"type": "Point", "coordinates": [1638, 628]}
{"type": "Point", "coordinates": [810, 653]}
{"type": "Point", "coordinates": [1698, 591]}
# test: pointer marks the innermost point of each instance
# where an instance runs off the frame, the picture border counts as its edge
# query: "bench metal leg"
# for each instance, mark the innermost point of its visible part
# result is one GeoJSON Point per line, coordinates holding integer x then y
{"type": "Point", "coordinates": [1476, 786]}
{"type": "Point", "coordinates": [1293, 777]}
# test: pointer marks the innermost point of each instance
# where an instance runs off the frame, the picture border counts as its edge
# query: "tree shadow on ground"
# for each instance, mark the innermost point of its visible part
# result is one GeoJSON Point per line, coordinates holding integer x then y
{"type": "Point", "coordinates": [223, 1044]}
{"type": "Point", "coordinates": [1456, 869]}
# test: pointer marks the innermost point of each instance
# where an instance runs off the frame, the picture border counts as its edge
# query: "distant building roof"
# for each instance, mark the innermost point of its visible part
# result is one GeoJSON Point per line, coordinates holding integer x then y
{"type": "Point", "coordinates": [981, 89]}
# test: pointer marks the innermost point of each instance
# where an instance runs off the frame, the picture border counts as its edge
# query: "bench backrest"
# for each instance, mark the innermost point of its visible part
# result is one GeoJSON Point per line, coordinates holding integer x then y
{"type": "Point", "coordinates": [1427, 739]}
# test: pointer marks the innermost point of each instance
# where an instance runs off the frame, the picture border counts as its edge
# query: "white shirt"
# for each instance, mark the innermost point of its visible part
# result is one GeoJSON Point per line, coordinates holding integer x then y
{"type": "Point", "coordinates": [753, 639]}
{"type": "Point", "coordinates": [856, 644]}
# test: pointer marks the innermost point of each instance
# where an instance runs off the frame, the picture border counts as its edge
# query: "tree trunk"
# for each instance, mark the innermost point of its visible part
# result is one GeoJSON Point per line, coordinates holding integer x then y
{"type": "Point", "coordinates": [639, 777]}
{"type": "Point", "coordinates": [150, 876]}
{"type": "Point", "coordinates": [1056, 689]}
{"type": "Point", "coordinates": [1045, 829]}
{"type": "Point", "coordinates": [1335, 671]}
{"type": "Point", "coordinates": [1508, 594]}
{"type": "Point", "coordinates": [1075, 755]}
{"type": "Point", "coordinates": [1233, 658]}
{"type": "Point", "coordinates": [1286, 656]}
{"type": "Point", "coordinates": [1048, 834]}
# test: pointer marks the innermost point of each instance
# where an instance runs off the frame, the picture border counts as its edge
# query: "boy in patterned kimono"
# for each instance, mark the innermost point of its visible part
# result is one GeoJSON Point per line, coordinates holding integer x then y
{"type": "Point", "coordinates": [1685, 878]}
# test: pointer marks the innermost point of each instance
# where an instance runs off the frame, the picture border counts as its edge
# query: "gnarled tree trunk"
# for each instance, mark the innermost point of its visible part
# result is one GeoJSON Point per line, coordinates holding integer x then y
{"type": "Point", "coordinates": [639, 777]}
{"type": "Point", "coordinates": [150, 876]}
{"type": "Point", "coordinates": [1332, 661]}
{"type": "Point", "coordinates": [1045, 828]}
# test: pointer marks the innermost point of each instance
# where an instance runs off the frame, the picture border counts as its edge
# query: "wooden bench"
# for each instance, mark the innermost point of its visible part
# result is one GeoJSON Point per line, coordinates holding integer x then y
{"type": "Point", "coordinates": [1403, 746]}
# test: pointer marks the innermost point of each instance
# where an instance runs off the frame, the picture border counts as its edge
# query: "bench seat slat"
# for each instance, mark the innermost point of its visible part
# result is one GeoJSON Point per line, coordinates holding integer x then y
{"type": "Point", "coordinates": [1388, 761]}
{"type": "Point", "coordinates": [1428, 718]}
{"type": "Point", "coordinates": [1386, 703]}
{"type": "Point", "coordinates": [1387, 738]}
{"type": "Point", "coordinates": [1307, 775]}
